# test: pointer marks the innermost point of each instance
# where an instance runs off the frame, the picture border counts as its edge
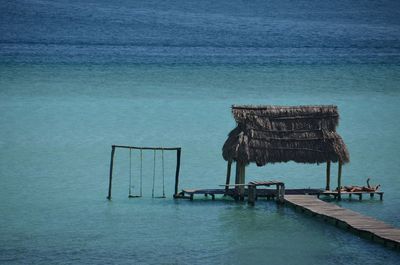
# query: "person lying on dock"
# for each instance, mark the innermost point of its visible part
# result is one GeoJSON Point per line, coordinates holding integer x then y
{"type": "Point", "coordinates": [360, 189]}
{"type": "Point", "coordinates": [371, 188]}
{"type": "Point", "coordinates": [367, 188]}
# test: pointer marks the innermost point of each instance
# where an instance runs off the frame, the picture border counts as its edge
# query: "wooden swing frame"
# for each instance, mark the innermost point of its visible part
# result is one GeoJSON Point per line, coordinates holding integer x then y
{"type": "Point", "coordinates": [178, 163]}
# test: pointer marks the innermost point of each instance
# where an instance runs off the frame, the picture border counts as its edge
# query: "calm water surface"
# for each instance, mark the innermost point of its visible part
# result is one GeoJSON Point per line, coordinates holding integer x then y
{"type": "Point", "coordinates": [76, 78]}
{"type": "Point", "coordinates": [58, 123]}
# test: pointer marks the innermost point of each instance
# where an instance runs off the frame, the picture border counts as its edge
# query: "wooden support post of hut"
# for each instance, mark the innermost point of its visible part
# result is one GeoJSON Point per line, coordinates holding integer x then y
{"type": "Point", "coordinates": [228, 176]}
{"type": "Point", "coordinates": [281, 193]}
{"type": "Point", "coordinates": [252, 194]}
{"type": "Point", "coordinates": [272, 134]}
{"type": "Point", "coordinates": [240, 179]}
{"type": "Point", "coordinates": [328, 175]}
{"type": "Point", "coordinates": [339, 179]}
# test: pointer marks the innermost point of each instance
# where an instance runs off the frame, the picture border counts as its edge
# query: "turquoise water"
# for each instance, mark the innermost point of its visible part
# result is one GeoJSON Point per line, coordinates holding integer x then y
{"type": "Point", "coordinates": [77, 77]}
{"type": "Point", "coordinates": [58, 123]}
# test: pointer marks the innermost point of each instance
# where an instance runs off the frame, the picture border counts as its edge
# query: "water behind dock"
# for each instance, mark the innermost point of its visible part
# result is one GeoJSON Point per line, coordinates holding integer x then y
{"type": "Point", "coordinates": [77, 77]}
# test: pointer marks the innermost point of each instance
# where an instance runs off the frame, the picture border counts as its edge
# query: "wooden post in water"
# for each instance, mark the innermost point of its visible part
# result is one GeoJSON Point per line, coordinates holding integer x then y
{"type": "Point", "coordinates": [178, 165]}
{"type": "Point", "coordinates": [237, 174]}
{"type": "Point", "coordinates": [228, 176]}
{"type": "Point", "coordinates": [328, 175]}
{"type": "Point", "coordinates": [111, 171]}
{"type": "Point", "coordinates": [339, 179]}
{"type": "Point", "coordinates": [240, 178]}
{"type": "Point", "coordinates": [236, 197]}
{"type": "Point", "coordinates": [281, 193]}
{"type": "Point", "coordinates": [252, 194]}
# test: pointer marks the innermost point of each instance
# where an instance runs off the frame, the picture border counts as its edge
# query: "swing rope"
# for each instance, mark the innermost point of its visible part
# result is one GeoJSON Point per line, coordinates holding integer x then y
{"type": "Point", "coordinates": [130, 171]}
{"type": "Point", "coordinates": [141, 174]}
{"type": "Point", "coordinates": [163, 175]}
{"type": "Point", "coordinates": [141, 171]}
{"type": "Point", "coordinates": [154, 173]}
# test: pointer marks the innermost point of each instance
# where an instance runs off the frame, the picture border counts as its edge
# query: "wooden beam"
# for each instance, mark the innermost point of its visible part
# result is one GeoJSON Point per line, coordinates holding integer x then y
{"type": "Point", "coordinates": [252, 194]}
{"type": "Point", "coordinates": [228, 175]}
{"type": "Point", "coordinates": [111, 171]}
{"type": "Point", "coordinates": [339, 178]}
{"type": "Point", "coordinates": [240, 178]}
{"type": "Point", "coordinates": [147, 148]}
{"type": "Point", "coordinates": [328, 175]}
{"type": "Point", "coordinates": [281, 197]}
{"type": "Point", "coordinates": [178, 165]}
{"type": "Point", "coordinates": [237, 173]}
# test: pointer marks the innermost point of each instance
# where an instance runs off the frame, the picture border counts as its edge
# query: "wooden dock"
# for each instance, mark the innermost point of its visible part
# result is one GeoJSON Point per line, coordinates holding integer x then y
{"type": "Point", "coordinates": [261, 193]}
{"type": "Point", "coordinates": [360, 194]}
{"type": "Point", "coordinates": [364, 226]}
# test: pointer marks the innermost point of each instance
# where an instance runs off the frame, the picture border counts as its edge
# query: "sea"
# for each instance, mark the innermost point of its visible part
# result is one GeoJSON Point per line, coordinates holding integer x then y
{"type": "Point", "coordinates": [77, 77]}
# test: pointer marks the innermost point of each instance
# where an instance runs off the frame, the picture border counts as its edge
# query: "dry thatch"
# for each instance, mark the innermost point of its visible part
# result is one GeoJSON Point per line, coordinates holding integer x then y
{"type": "Point", "coordinates": [270, 134]}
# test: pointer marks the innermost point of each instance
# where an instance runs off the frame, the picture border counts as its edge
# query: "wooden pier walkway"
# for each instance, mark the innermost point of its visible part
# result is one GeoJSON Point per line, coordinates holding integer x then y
{"type": "Point", "coordinates": [364, 226]}
{"type": "Point", "coordinates": [262, 193]}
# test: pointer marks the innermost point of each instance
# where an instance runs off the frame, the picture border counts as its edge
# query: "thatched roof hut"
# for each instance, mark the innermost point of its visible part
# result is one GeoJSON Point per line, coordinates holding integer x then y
{"type": "Point", "coordinates": [271, 134]}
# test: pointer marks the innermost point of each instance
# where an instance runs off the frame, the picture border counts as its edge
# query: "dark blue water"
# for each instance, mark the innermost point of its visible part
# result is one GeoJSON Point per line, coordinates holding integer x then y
{"type": "Point", "coordinates": [234, 32]}
{"type": "Point", "coordinates": [77, 77]}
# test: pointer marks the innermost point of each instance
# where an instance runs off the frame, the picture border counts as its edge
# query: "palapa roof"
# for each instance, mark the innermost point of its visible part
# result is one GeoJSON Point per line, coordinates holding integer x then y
{"type": "Point", "coordinates": [270, 134]}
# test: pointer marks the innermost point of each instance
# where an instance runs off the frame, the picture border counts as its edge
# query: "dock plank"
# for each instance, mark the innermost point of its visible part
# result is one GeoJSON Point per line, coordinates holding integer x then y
{"type": "Point", "coordinates": [357, 221]}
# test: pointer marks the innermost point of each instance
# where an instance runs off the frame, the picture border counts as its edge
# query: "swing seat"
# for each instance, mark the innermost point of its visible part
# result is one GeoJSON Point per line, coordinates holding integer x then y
{"type": "Point", "coordinates": [134, 196]}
